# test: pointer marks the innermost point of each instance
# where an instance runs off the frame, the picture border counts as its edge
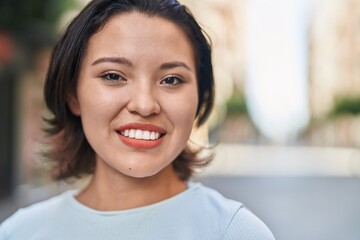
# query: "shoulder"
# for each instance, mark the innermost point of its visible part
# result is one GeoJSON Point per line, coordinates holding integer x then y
{"type": "Point", "coordinates": [36, 214]}
{"type": "Point", "coordinates": [246, 226]}
{"type": "Point", "coordinates": [235, 220]}
{"type": "Point", "coordinates": [212, 210]}
{"type": "Point", "coordinates": [212, 199]}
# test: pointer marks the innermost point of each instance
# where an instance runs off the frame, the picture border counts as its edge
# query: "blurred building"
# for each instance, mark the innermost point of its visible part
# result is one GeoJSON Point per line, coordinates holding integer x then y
{"type": "Point", "coordinates": [334, 53]}
{"type": "Point", "coordinates": [335, 74]}
{"type": "Point", "coordinates": [224, 22]}
{"type": "Point", "coordinates": [334, 69]}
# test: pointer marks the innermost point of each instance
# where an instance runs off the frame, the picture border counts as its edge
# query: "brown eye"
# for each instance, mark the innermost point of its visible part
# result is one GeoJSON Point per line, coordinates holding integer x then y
{"type": "Point", "coordinates": [112, 77]}
{"type": "Point", "coordinates": [172, 80]}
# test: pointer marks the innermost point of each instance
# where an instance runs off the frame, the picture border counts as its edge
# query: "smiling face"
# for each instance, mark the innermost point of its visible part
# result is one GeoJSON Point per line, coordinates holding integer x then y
{"type": "Point", "coordinates": [137, 94]}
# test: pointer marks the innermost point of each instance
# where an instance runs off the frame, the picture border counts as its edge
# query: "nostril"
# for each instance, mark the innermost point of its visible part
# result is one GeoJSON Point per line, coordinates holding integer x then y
{"type": "Point", "coordinates": [145, 108]}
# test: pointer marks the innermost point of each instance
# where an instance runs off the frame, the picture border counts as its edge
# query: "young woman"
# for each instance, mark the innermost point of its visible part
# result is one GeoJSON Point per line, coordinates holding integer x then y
{"type": "Point", "coordinates": [127, 82]}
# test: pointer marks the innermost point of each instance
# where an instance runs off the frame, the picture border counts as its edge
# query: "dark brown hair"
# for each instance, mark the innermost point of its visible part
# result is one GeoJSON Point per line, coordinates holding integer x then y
{"type": "Point", "coordinates": [70, 151]}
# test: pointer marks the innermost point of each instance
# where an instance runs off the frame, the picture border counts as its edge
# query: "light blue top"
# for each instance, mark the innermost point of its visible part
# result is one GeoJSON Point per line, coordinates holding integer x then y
{"type": "Point", "coordinates": [197, 213]}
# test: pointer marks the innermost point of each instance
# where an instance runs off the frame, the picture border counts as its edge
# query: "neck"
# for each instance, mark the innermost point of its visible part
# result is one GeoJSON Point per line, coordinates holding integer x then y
{"type": "Point", "coordinates": [114, 192]}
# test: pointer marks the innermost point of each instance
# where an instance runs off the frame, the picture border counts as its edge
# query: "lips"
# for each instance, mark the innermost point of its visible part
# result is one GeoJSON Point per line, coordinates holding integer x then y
{"type": "Point", "coordinates": [141, 136]}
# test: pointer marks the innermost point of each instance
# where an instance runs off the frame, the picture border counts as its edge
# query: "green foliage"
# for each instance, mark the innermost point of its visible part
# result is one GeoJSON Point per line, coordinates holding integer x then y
{"type": "Point", "coordinates": [17, 15]}
{"type": "Point", "coordinates": [31, 25]}
{"type": "Point", "coordinates": [346, 106]}
{"type": "Point", "coordinates": [236, 105]}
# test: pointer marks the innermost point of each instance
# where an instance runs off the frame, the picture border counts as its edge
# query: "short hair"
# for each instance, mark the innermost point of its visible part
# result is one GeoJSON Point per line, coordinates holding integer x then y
{"type": "Point", "coordinates": [70, 152]}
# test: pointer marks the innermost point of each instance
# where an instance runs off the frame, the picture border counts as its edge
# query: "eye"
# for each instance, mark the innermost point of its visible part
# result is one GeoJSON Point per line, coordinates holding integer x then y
{"type": "Point", "coordinates": [172, 80]}
{"type": "Point", "coordinates": [112, 77]}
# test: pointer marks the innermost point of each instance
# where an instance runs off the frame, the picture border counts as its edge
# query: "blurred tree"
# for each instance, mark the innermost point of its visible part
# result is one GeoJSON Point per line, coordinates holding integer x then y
{"type": "Point", "coordinates": [26, 26]}
{"type": "Point", "coordinates": [236, 104]}
{"type": "Point", "coordinates": [32, 24]}
{"type": "Point", "coordinates": [20, 15]}
{"type": "Point", "coordinates": [346, 106]}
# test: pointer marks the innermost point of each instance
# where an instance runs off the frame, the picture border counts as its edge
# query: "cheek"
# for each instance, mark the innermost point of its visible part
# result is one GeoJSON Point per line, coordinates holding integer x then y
{"type": "Point", "coordinates": [99, 110]}
{"type": "Point", "coordinates": [183, 111]}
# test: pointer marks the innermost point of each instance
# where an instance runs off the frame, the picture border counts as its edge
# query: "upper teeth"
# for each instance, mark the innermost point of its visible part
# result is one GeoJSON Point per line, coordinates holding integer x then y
{"type": "Point", "coordinates": [140, 134]}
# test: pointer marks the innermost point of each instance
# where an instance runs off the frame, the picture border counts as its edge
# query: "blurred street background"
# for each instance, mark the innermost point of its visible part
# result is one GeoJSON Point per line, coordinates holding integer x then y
{"type": "Point", "coordinates": [286, 122]}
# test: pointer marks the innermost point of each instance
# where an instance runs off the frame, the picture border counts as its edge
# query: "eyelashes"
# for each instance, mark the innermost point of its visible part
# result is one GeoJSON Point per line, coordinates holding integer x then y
{"type": "Point", "coordinates": [112, 77]}
{"type": "Point", "coordinates": [172, 80]}
{"type": "Point", "coordinates": [169, 80]}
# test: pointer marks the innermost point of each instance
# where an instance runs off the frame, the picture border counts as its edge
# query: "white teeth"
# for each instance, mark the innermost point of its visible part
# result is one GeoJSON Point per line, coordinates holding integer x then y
{"type": "Point", "coordinates": [132, 133]}
{"type": "Point", "coordinates": [140, 134]}
{"type": "Point", "coordinates": [126, 133]}
{"type": "Point", "coordinates": [146, 135]}
{"type": "Point", "coordinates": [152, 135]}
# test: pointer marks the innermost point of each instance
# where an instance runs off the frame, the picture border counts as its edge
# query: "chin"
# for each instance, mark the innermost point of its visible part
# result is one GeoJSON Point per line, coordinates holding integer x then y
{"type": "Point", "coordinates": [141, 173]}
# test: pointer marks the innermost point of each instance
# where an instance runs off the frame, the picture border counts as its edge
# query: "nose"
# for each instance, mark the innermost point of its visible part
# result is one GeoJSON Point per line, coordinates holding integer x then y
{"type": "Point", "coordinates": [143, 101]}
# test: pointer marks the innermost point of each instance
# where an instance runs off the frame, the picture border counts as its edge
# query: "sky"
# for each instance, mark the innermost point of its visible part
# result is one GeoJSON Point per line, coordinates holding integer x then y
{"type": "Point", "coordinates": [276, 83]}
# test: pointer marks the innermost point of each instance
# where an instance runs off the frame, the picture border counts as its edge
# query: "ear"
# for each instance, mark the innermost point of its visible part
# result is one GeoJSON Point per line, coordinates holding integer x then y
{"type": "Point", "coordinates": [73, 104]}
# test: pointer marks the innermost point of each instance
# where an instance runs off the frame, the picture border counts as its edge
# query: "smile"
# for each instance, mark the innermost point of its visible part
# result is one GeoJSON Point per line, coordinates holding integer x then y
{"type": "Point", "coordinates": [140, 134]}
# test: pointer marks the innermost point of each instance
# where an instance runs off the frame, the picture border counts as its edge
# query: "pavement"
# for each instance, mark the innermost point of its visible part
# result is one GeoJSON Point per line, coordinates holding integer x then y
{"type": "Point", "coordinates": [299, 208]}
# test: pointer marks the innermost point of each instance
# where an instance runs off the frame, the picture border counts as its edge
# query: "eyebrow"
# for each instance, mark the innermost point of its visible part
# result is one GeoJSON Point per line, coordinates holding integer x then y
{"type": "Point", "coordinates": [119, 60]}
{"type": "Point", "coordinates": [122, 60]}
{"type": "Point", "coordinates": [171, 65]}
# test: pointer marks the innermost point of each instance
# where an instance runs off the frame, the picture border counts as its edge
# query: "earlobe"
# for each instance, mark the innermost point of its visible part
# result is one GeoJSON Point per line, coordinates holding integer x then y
{"type": "Point", "coordinates": [73, 104]}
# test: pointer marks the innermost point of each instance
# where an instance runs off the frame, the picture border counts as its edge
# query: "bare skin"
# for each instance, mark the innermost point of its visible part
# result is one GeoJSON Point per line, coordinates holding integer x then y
{"type": "Point", "coordinates": [129, 192]}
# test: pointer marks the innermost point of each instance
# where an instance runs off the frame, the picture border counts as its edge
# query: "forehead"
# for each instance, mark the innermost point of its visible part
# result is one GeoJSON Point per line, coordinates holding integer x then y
{"type": "Point", "coordinates": [137, 32]}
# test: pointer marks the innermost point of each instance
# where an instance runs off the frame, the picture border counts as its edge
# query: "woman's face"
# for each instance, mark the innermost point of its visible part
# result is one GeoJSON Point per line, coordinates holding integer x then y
{"type": "Point", "coordinates": [137, 93]}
